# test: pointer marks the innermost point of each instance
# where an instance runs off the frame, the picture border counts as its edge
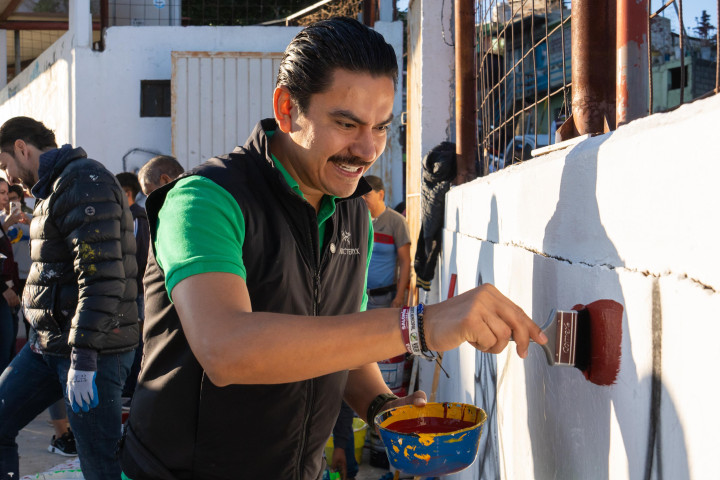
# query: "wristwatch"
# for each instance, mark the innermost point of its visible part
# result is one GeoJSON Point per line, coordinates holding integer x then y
{"type": "Point", "coordinates": [376, 406]}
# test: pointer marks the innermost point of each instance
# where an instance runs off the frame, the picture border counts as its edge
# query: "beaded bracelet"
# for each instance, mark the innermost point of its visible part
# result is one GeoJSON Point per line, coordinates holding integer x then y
{"type": "Point", "coordinates": [421, 327]}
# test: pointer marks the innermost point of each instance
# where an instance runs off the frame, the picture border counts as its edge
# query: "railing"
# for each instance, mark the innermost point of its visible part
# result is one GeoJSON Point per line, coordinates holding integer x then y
{"type": "Point", "coordinates": [525, 70]}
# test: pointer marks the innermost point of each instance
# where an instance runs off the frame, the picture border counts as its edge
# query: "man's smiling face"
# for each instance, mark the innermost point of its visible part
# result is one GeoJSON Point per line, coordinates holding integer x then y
{"type": "Point", "coordinates": [342, 133]}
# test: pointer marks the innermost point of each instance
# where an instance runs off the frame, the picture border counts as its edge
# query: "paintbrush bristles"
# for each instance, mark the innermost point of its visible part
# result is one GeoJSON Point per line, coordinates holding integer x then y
{"type": "Point", "coordinates": [599, 341]}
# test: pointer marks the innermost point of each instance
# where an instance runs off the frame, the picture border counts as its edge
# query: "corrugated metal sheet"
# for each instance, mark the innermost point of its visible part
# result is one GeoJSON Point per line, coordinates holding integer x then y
{"type": "Point", "coordinates": [217, 98]}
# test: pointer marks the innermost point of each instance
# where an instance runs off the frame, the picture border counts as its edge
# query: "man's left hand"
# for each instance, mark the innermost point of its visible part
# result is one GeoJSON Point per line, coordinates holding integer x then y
{"type": "Point", "coordinates": [339, 462]}
{"type": "Point", "coordinates": [81, 389]}
{"type": "Point", "coordinates": [418, 398]}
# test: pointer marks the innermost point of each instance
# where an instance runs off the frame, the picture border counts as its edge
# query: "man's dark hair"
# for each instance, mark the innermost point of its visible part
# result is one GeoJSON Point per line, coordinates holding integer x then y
{"type": "Point", "coordinates": [157, 166]}
{"type": "Point", "coordinates": [27, 129]}
{"type": "Point", "coordinates": [18, 191]}
{"type": "Point", "coordinates": [324, 46]}
{"type": "Point", "coordinates": [129, 180]}
{"type": "Point", "coordinates": [375, 182]}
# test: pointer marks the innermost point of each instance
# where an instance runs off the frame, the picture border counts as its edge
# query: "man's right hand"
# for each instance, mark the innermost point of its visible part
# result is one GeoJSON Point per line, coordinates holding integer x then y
{"type": "Point", "coordinates": [483, 317]}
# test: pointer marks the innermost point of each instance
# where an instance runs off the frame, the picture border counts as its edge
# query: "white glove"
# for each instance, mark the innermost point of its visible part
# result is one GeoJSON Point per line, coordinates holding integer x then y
{"type": "Point", "coordinates": [81, 389]}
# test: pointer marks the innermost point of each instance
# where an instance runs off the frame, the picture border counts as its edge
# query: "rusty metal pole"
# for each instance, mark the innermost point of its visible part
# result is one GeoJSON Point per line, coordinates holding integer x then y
{"type": "Point", "coordinates": [593, 66]}
{"type": "Point", "coordinates": [631, 101]}
{"type": "Point", "coordinates": [465, 94]}
{"type": "Point", "coordinates": [369, 12]}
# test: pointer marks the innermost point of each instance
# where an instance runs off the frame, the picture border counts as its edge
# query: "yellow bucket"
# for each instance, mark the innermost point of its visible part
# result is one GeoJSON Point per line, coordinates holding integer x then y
{"type": "Point", "coordinates": [359, 431]}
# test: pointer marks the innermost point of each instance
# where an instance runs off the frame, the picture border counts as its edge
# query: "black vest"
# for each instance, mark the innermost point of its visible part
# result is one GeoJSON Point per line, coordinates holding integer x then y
{"type": "Point", "coordinates": [184, 427]}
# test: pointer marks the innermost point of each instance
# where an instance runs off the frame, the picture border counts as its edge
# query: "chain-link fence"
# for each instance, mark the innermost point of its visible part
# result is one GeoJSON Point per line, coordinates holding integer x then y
{"type": "Point", "coordinates": [524, 77]}
{"type": "Point", "coordinates": [524, 70]}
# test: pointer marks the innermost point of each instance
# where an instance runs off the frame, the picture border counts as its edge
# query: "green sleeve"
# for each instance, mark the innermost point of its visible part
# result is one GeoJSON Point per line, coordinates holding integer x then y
{"type": "Point", "coordinates": [200, 229]}
{"type": "Point", "coordinates": [371, 237]}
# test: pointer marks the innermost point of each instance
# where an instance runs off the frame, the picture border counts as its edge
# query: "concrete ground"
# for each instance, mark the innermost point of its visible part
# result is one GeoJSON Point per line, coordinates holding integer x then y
{"type": "Point", "coordinates": [35, 458]}
{"type": "Point", "coordinates": [33, 442]}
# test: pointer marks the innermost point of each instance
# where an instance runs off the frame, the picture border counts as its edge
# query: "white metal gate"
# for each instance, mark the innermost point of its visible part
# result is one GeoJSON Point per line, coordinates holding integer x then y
{"type": "Point", "coordinates": [217, 99]}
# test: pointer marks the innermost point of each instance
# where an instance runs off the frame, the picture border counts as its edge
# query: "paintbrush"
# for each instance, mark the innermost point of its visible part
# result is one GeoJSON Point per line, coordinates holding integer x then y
{"type": "Point", "coordinates": [588, 337]}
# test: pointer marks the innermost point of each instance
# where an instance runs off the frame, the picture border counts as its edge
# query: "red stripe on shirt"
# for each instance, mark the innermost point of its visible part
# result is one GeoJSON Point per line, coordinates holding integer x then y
{"type": "Point", "coordinates": [383, 238]}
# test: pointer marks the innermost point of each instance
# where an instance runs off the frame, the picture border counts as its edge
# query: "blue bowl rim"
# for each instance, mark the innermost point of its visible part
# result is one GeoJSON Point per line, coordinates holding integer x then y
{"type": "Point", "coordinates": [380, 417]}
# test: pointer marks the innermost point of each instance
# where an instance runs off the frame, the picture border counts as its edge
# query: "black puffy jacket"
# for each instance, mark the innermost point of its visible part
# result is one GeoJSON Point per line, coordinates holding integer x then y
{"type": "Point", "coordinates": [81, 286]}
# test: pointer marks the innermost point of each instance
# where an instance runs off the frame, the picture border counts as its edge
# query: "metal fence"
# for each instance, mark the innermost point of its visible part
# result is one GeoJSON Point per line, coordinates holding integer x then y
{"type": "Point", "coordinates": [524, 78]}
{"type": "Point", "coordinates": [36, 25]}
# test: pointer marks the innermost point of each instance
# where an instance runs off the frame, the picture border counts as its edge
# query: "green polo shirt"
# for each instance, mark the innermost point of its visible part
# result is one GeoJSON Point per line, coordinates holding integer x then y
{"type": "Point", "coordinates": [201, 229]}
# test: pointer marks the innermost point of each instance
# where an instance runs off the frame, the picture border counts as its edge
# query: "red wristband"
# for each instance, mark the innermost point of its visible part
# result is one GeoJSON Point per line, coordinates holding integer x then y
{"type": "Point", "coordinates": [405, 327]}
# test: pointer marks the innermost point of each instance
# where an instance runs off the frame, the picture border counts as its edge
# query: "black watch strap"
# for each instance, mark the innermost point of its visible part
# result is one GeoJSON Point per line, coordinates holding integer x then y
{"type": "Point", "coordinates": [376, 406]}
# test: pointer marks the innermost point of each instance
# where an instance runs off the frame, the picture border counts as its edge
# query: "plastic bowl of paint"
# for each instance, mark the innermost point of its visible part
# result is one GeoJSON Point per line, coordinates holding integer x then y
{"type": "Point", "coordinates": [434, 440]}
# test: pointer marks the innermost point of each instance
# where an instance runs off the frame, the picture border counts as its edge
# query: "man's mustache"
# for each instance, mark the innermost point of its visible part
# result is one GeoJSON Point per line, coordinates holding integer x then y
{"type": "Point", "coordinates": [349, 160]}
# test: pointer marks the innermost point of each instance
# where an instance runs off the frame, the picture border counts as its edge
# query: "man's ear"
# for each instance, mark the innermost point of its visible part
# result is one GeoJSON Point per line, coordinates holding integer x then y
{"type": "Point", "coordinates": [283, 106]}
{"type": "Point", "coordinates": [21, 148]}
{"type": "Point", "coordinates": [165, 179]}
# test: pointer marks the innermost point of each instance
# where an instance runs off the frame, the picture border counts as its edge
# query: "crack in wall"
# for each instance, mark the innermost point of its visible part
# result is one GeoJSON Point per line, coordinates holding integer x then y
{"type": "Point", "coordinates": [646, 273]}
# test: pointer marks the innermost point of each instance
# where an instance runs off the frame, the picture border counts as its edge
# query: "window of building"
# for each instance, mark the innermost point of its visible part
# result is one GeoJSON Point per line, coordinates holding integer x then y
{"type": "Point", "coordinates": [154, 98]}
{"type": "Point", "coordinates": [675, 78]}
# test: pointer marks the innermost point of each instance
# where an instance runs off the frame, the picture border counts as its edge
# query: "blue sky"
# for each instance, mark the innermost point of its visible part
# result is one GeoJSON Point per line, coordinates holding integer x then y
{"type": "Point", "coordinates": [691, 10]}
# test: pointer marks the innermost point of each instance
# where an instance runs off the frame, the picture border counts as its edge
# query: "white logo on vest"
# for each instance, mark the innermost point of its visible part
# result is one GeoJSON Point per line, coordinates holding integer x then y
{"type": "Point", "coordinates": [345, 240]}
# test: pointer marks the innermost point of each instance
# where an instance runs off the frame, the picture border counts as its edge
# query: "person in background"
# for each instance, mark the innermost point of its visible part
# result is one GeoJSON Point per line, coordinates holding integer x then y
{"type": "Point", "coordinates": [158, 171]}
{"type": "Point", "coordinates": [63, 441]}
{"type": "Point", "coordinates": [9, 280]}
{"type": "Point", "coordinates": [388, 281]}
{"type": "Point", "coordinates": [343, 459]}
{"type": "Point", "coordinates": [131, 186]}
{"type": "Point", "coordinates": [19, 235]}
{"type": "Point", "coordinates": [389, 271]}
{"type": "Point", "coordinates": [80, 298]}
{"type": "Point", "coordinates": [254, 330]}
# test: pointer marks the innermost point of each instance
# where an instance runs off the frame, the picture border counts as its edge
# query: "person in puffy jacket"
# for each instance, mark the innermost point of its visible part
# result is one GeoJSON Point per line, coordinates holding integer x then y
{"type": "Point", "coordinates": [79, 298]}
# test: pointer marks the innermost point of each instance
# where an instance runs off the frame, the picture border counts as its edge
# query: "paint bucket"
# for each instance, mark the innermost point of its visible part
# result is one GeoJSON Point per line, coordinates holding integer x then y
{"type": "Point", "coordinates": [393, 370]}
{"type": "Point", "coordinates": [431, 441]}
{"type": "Point", "coordinates": [359, 431]}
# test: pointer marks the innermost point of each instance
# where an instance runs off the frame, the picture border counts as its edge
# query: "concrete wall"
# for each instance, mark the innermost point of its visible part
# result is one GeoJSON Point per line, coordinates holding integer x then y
{"type": "Point", "coordinates": [390, 165]}
{"type": "Point", "coordinates": [43, 90]}
{"type": "Point", "coordinates": [630, 216]}
{"type": "Point", "coordinates": [109, 125]}
{"type": "Point", "coordinates": [92, 99]}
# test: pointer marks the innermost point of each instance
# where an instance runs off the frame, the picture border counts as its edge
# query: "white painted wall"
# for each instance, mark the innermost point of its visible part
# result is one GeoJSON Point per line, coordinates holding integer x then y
{"type": "Point", "coordinates": [390, 164]}
{"type": "Point", "coordinates": [630, 216]}
{"type": "Point", "coordinates": [92, 99]}
{"type": "Point", "coordinates": [109, 121]}
{"type": "Point", "coordinates": [43, 90]}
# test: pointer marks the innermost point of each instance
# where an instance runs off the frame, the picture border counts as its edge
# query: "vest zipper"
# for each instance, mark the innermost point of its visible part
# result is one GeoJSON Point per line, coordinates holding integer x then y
{"type": "Point", "coordinates": [314, 246]}
{"type": "Point", "coordinates": [306, 422]}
